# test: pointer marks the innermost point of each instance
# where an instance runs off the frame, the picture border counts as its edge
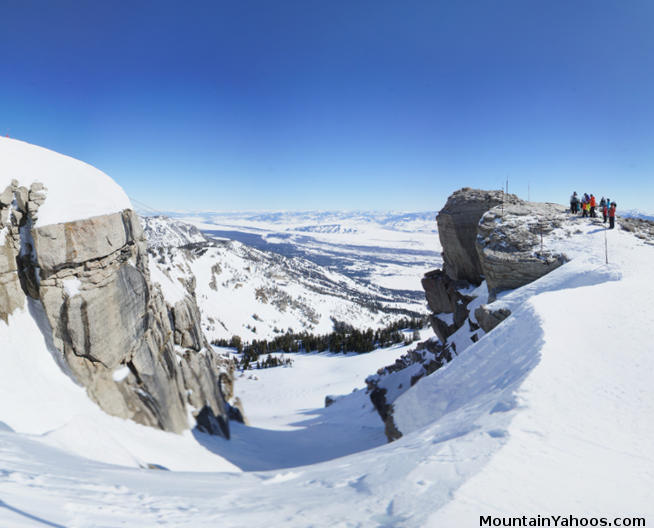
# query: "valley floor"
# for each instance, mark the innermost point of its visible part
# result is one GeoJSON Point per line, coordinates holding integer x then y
{"type": "Point", "coordinates": [549, 414]}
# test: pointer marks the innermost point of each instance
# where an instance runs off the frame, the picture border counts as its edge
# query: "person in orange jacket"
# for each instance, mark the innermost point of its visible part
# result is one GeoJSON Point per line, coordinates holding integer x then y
{"type": "Point", "coordinates": [593, 204]}
{"type": "Point", "coordinates": [612, 215]}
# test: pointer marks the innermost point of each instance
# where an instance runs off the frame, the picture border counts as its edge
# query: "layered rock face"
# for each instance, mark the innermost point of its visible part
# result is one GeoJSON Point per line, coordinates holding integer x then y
{"type": "Point", "coordinates": [137, 357]}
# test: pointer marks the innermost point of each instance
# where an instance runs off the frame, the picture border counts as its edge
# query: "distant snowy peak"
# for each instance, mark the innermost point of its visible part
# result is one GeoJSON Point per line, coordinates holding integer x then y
{"type": "Point", "coordinates": [74, 190]}
{"type": "Point", "coordinates": [162, 231]}
{"type": "Point", "coordinates": [636, 213]}
{"type": "Point", "coordinates": [321, 221]}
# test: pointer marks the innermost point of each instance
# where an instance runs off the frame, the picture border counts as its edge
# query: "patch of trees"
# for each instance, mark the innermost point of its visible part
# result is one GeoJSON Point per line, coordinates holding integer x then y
{"type": "Point", "coordinates": [344, 338]}
{"type": "Point", "coordinates": [269, 362]}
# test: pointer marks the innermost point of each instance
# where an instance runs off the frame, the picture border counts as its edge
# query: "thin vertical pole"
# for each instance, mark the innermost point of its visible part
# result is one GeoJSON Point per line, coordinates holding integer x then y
{"type": "Point", "coordinates": [606, 247]}
{"type": "Point", "coordinates": [502, 202]}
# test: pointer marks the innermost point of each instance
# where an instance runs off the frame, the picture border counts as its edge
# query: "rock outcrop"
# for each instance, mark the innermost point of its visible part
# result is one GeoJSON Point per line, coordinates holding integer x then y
{"type": "Point", "coordinates": [12, 254]}
{"type": "Point", "coordinates": [488, 318]}
{"type": "Point", "coordinates": [137, 357]}
{"type": "Point", "coordinates": [444, 296]}
{"type": "Point", "coordinates": [457, 230]}
{"type": "Point", "coordinates": [485, 235]}
{"type": "Point", "coordinates": [509, 244]}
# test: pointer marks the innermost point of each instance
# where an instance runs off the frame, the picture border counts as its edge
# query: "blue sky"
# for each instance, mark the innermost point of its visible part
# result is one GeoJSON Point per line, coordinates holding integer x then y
{"type": "Point", "coordinates": [337, 104]}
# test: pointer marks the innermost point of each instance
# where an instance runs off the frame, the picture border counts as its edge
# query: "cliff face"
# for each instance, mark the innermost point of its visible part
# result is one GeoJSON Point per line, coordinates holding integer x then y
{"type": "Point", "coordinates": [489, 236]}
{"type": "Point", "coordinates": [457, 230]}
{"type": "Point", "coordinates": [137, 357]}
{"type": "Point", "coordinates": [485, 236]}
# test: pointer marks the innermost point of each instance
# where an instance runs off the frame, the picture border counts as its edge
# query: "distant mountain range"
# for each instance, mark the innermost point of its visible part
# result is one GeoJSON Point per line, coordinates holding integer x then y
{"type": "Point", "coordinates": [259, 293]}
{"type": "Point", "coordinates": [390, 250]}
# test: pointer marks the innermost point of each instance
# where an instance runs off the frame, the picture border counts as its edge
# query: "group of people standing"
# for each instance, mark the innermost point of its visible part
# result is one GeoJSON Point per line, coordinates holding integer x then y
{"type": "Point", "coordinates": [587, 205]}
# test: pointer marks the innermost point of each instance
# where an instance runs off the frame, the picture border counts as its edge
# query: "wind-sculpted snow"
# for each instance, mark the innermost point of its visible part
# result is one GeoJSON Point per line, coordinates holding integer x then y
{"type": "Point", "coordinates": [74, 189]}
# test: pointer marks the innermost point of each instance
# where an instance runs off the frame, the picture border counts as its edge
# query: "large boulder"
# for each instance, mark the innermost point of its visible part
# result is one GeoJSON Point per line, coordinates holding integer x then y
{"type": "Point", "coordinates": [489, 317]}
{"type": "Point", "coordinates": [509, 244]}
{"type": "Point", "coordinates": [457, 230]}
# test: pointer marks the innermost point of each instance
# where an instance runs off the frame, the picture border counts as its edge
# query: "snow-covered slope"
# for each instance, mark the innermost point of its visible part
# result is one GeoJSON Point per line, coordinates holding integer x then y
{"type": "Point", "coordinates": [548, 414]}
{"type": "Point", "coordinates": [74, 189]}
{"type": "Point", "coordinates": [161, 231]}
{"type": "Point", "coordinates": [259, 294]}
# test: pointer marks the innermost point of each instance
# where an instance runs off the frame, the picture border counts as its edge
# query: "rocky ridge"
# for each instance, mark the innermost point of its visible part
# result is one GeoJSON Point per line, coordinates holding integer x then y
{"type": "Point", "coordinates": [137, 356]}
{"type": "Point", "coordinates": [486, 236]}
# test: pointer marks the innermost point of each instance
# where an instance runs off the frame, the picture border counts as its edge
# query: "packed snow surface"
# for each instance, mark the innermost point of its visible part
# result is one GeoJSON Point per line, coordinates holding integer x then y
{"type": "Point", "coordinates": [548, 414]}
{"type": "Point", "coordinates": [75, 190]}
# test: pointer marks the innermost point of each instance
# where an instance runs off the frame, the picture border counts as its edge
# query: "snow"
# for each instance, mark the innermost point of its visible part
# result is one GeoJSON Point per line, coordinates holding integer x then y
{"type": "Point", "coordinates": [550, 413]}
{"type": "Point", "coordinates": [72, 286]}
{"type": "Point", "coordinates": [75, 190]}
{"type": "Point", "coordinates": [120, 374]}
{"type": "Point", "coordinates": [172, 290]}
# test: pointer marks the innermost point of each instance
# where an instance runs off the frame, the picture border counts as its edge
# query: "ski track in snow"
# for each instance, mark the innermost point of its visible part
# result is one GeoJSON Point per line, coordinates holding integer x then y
{"type": "Point", "coordinates": [550, 413]}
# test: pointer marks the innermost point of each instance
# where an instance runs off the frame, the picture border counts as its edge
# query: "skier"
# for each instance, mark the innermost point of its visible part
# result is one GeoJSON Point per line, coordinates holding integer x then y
{"type": "Point", "coordinates": [584, 210]}
{"type": "Point", "coordinates": [605, 209]}
{"type": "Point", "coordinates": [574, 203]}
{"type": "Point", "coordinates": [612, 215]}
{"type": "Point", "coordinates": [593, 204]}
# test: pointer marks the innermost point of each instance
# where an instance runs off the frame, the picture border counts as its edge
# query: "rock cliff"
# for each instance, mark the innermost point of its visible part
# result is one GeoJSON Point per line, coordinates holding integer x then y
{"type": "Point", "coordinates": [138, 357]}
{"type": "Point", "coordinates": [485, 235]}
{"type": "Point", "coordinates": [457, 229]}
{"type": "Point", "coordinates": [488, 235]}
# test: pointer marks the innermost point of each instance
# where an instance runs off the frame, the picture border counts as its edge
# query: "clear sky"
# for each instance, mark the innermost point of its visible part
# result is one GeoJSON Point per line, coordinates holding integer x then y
{"type": "Point", "coordinates": [338, 104]}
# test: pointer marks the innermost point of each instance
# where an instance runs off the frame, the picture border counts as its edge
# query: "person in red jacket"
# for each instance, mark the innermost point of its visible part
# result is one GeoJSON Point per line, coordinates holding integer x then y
{"type": "Point", "coordinates": [612, 215]}
{"type": "Point", "coordinates": [593, 204]}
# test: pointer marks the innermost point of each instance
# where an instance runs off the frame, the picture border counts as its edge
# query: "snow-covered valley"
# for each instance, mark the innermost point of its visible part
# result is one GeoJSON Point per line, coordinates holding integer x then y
{"type": "Point", "coordinates": [271, 293]}
{"type": "Point", "coordinates": [389, 250]}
